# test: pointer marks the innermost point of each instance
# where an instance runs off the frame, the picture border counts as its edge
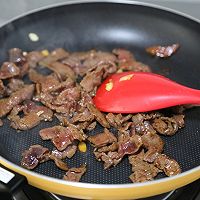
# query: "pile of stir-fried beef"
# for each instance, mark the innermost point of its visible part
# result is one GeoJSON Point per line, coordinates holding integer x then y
{"type": "Point", "coordinates": [66, 93]}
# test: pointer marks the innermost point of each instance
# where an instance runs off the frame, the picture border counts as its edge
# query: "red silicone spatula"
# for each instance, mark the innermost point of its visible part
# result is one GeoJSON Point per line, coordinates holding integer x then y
{"type": "Point", "coordinates": [132, 92]}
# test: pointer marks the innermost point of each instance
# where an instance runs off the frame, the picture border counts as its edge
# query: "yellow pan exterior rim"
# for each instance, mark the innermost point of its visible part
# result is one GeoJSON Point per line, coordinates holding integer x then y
{"type": "Point", "coordinates": [104, 191]}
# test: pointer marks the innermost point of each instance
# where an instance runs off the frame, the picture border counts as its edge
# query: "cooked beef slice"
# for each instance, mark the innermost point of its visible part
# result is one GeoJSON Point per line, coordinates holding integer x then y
{"type": "Point", "coordinates": [16, 55]}
{"type": "Point", "coordinates": [14, 85]}
{"type": "Point", "coordinates": [82, 116]}
{"type": "Point", "coordinates": [2, 89]}
{"type": "Point", "coordinates": [75, 174]}
{"type": "Point", "coordinates": [129, 145]}
{"type": "Point", "coordinates": [33, 156]}
{"type": "Point", "coordinates": [110, 158]}
{"type": "Point", "coordinates": [66, 153]}
{"type": "Point", "coordinates": [59, 163]}
{"type": "Point", "coordinates": [15, 98]}
{"type": "Point", "coordinates": [162, 51]}
{"type": "Point", "coordinates": [94, 76]}
{"type": "Point", "coordinates": [55, 55]}
{"type": "Point", "coordinates": [46, 82]}
{"type": "Point", "coordinates": [112, 147]}
{"type": "Point", "coordinates": [168, 125]}
{"type": "Point", "coordinates": [33, 58]}
{"type": "Point", "coordinates": [168, 165]}
{"type": "Point", "coordinates": [33, 114]}
{"type": "Point", "coordinates": [102, 139]}
{"type": "Point", "coordinates": [117, 120]}
{"type": "Point", "coordinates": [98, 115]}
{"type": "Point", "coordinates": [62, 70]}
{"type": "Point", "coordinates": [9, 70]}
{"type": "Point", "coordinates": [154, 144]}
{"type": "Point", "coordinates": [81, 62]}
{"type": "Point", "coordinates": [142, 170]}
{"type": "Point", "coordinates": [62, 136]}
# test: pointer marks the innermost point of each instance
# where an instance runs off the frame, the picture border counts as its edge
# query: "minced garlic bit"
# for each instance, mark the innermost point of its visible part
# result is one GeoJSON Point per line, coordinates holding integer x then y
{"type": "Point", "coordinates": [119, 71]}
{"type": "Point", "coordinates": [24, 53]}
{"type": "Point", "coordinates": [109, 85]}
{"type": "Point", "coordinates": [125, 78]}
{"type": "Point", "coordinates": [40, 113]}
{"type": "Point", "coordinates": [33, 37]}
{"type": "Point", "coordinates": [45, 52]}
{"type": "Point", "coordinates": [82, 147]}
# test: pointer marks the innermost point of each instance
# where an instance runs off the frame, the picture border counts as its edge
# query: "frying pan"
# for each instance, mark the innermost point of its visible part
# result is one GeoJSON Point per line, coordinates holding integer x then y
{"type": "Point", "coordinates": [80, 26]}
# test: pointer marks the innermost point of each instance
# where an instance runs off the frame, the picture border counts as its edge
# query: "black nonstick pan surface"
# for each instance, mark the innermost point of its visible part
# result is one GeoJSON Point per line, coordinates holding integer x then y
{"type": "Point", "coordinates": [104, 26]}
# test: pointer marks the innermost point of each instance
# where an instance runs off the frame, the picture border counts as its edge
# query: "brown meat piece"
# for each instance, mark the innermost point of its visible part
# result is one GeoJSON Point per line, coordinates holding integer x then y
{"type": "Point", "coordinates": [114, 120]}
{"type": "Point", "coordinates": [123, 55]}
{"type": "Point", "coordinates": [33, 114]}
{"type": "Point", "coordinates": [141, 117]}
{"type": "Point", "coordinates": [168, 125]}
{"type": "Point", "coordinates": [140, 67]}
{"type": "Point", "coordinates": [33, 156]}
{"type": "Point", "coordinates": [142, 171]}
{"type": "Point", "coordinates": [14, 85]}
{"type": "Point", "coordinates": [117, 120]}
{"type": "Point", "coordinates": [62, 97]}
{"type": "Point", "coordinates": [95, 75]}
{"type": "Point", "coordinates": [154, 144]}
{"type": "Point", "coordinates": [9, 70]}
{"type": "Point", "coordinates": [63, 102]}
{"type": "Point", "coordinates": [62, 136]}
{"type": "Point", "coordinates": [68, 152]}
{"type": "Point", "coordinates": [180, 120]}
{"type": "Point", "coordinates": [144, 128]}
{"type": "Point", "coordinates": [113, 147]}
{"type": "Point", "coordinates": [109, 159]}
{"type": "Point", "coordinates": [83, 116]}
{"type": "Point", "coordinates": [2, 89]}
{"type": "Point", "coordinates": [102, 139]}
{"type": "Point", "coordinates": [91, 126]}
{"type": "Point", "coordinates": [82, 125]}
{"type": "Point", "coordinates": [16, 55]}
{"type": "Point", "coordinates": [127, 62]}
{"type": "Point", "coordinates": [138, 118]}
{"type": "Point", "coordinates": [24, 68]}
{"type": "Point", "coordinates": [62, 70]}
{"type": "Point", "coordinates": [75, 174]}
{"type": "Point", "coordinates": [152, 141]}
{"type": "Point", "coordinates": [59, 163]}
{"type": "Point", "coordinates": [76, 60]}
{"type": "Point", "coordinates": [64, 121]}
{"type": "Point", "coordinates": [55, 55]}
{"type": "Point", "coordinates": [33, 58]}
{"type": "Point", "coordinates": [168, 165]}
{"type": "Point", "coordinates": [46, 82]}
{"type": "Point", "coordinates": [99, 57]}
{"type": "Point", "coordinates": [92, 80]}
{"type": "Point", "coordinates": [162, 51]}
{"type": "Point", "coordinates": [140, 125]}
{"type": "Point", "coordinates": [151, 155]}
{"type": "Point", "coordinates": [98, 115]}
{"type": "Point", "coordinates": [81, 62]}
{"type": "Point", "coordinates": [85, 99]}
{"type": "Point", "coordinates": [15, 98]}
{"type": "Point", "coordinates": [129, 145]}
{"type": "Point", "coordinates": [125, 127]}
